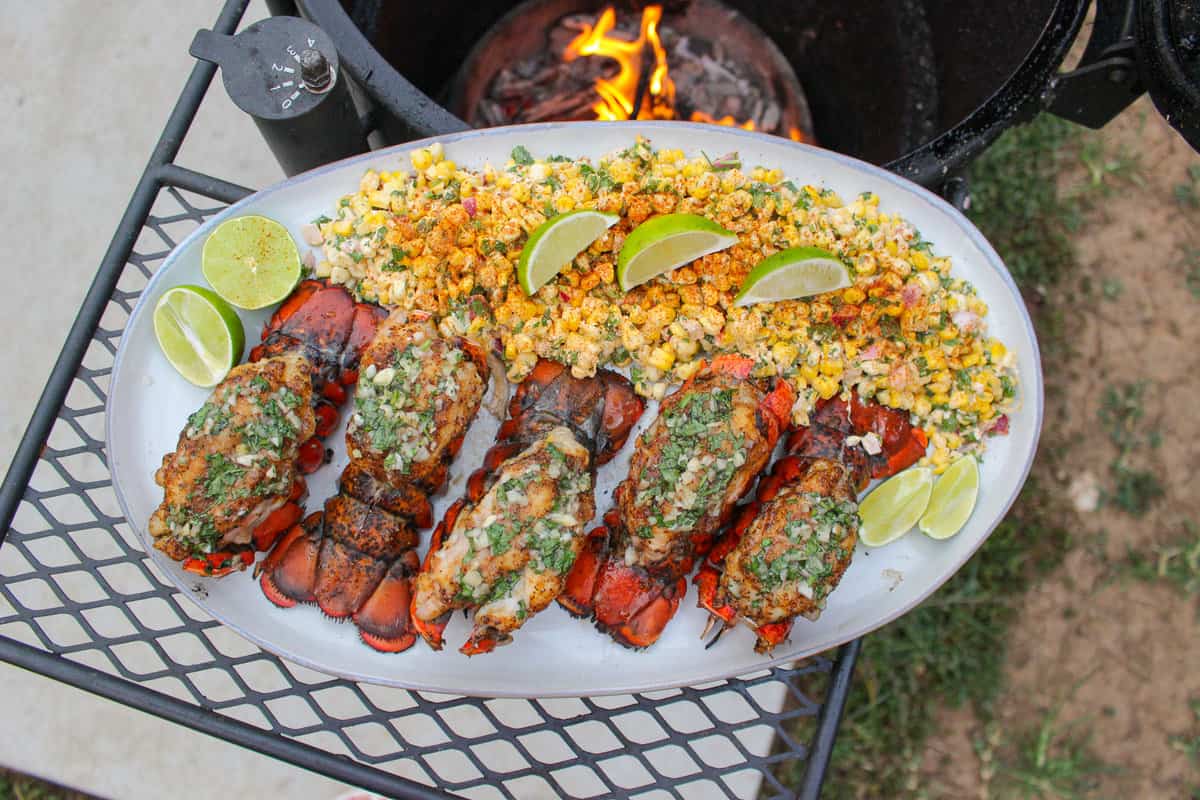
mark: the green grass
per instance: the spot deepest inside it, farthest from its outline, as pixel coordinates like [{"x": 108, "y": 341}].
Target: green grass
[
  {"x": 1017, "y": 203},
  {"x": 1189, "y": 744},
  {"x": 1135, "y": 490},
  {"x": 1176, "y": 563},
  {"x": 950, "y": 651},
  {"x": 1052, "y": 761},
  {"x": 21, "y": 787},
  {"x": 1191, "y": 270},
  {"x": 1187, "y": 194}
]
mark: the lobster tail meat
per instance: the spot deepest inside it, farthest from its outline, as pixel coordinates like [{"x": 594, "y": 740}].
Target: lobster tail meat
[
  {"x": 325, "y": 325},
  {"x": 232, "y": 481},
  {"x": 506, "y": 548},
  {"x": 417, "y": 394},
  {"x": 787, "y": 550},
  {"x": 691, "y": 466}
]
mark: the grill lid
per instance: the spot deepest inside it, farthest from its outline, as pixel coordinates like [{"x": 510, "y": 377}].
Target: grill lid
[{"x": 1168, "y": 57}]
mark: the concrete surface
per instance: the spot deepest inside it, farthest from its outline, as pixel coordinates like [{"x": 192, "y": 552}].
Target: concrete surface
[{"x": 89, "y": 89}]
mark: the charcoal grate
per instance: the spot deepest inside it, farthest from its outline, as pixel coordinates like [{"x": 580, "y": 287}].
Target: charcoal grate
[{"x": 75, "y": 582}]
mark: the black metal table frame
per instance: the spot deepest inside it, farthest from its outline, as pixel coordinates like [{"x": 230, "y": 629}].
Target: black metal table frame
[{"x": 161, "y": 172}]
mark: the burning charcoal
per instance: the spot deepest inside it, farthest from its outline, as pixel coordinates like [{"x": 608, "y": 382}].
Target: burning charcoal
[
  {"x": 577, "y": 22},
  {"x": 709, "y": 84}
]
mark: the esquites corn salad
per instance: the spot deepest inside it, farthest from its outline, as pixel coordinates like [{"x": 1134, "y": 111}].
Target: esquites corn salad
[{"x": 907, "y": 332}]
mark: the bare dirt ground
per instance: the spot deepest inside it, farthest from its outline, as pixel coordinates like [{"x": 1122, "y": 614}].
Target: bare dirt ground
[{"x": 1114, "y": 657}]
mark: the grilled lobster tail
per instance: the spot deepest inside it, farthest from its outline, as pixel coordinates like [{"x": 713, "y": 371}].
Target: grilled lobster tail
[
  {"x": 416, "y": 397},
  {"x": 505, "y": 549},
  {"x": 249, "y": 428},
  {"x": 787, "y": 549},
  {"x": 711, "y": 439},
  {"x": 329, "y": 329}
]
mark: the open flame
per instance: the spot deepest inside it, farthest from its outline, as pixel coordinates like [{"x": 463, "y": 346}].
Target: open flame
[{"x": 633, "y": 93}]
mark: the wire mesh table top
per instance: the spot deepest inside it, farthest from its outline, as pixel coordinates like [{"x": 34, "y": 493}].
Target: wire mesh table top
[{"x": 82, "y": 602}]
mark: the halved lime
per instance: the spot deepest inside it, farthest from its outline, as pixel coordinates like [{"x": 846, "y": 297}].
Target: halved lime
[
  {"x": 665, "y": 243},
  {"x": 791, "y": 274},
  {"x": 251, "y": 261},
  {"x": 952, "y": 500},
  {"x": 556, "y": 242},
  {"x": 199, "y": 333},
  {"x": 894, "y": 507}
]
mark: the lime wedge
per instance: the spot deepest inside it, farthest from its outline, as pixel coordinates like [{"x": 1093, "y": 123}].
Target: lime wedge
[
  {"x": 664, "y": 243},
  {"x": 952, "y": 500},
  {"x": 199, "y": 333},
  {"x": 791, "y": 274},
  {"x": 556, "y": 242},
  {"x": 894, "y": 507},
  {"x": 252, "y": 262}
]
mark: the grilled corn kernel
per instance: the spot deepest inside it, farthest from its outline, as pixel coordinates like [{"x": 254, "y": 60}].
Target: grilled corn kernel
[
  {"x": 343, "y": 227},
  {"x": 621, "y": 170},
  {"x": 570, "y": 318},
  {"x": 421, "y": 159},
  {"x": 711, "y": 320},
  {"x": 949, "y": 332},
  {"x": 436, "y": 151},
  {"x": 970, "y": 360},
  {"x": 997, "y": 350},
  {"x": 685, "y": 348},
  {"x": 444, "y": 170},
  {"x": 631, "y": 337},
  {"x": 685, "y": 371},
  {"x": 977, "y": 306},
  {"x": 826, "y": 387},
  {"x": 832, "y": 367},
  {"x": 701, "y": 186},
  {"x": 921, "y": 407},
  {"x": 659, "y": 317},
  {"x": 808, "y": 372},
  {"x": 662, "y": 358},
  {"x": 785, "y": 354},
  {"x": 854, "y": 295}
]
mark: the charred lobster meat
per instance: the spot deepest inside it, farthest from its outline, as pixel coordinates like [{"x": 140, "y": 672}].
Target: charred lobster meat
[
  {"x": 692, "y": 465},
  {"x": 787, "y": 549},
  {"x": 506, "y": 548},
  {"x": 417, "y": 394}
]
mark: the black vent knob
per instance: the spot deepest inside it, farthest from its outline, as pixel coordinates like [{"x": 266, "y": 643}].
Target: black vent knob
[{"x": 283, "y": 72}]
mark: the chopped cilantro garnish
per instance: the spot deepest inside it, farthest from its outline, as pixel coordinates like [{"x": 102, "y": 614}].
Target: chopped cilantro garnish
[{"x": 220, "y": 476}]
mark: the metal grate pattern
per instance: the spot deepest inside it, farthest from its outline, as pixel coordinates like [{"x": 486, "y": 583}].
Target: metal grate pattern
[{"x": 75, "y": 582}]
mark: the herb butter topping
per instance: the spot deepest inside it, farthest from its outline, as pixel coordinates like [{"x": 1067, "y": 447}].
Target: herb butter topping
[
  {"x": 549, "y": 538},
  {"x": 396, "y": 405},
  {"x": 697, "y": 462}
]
